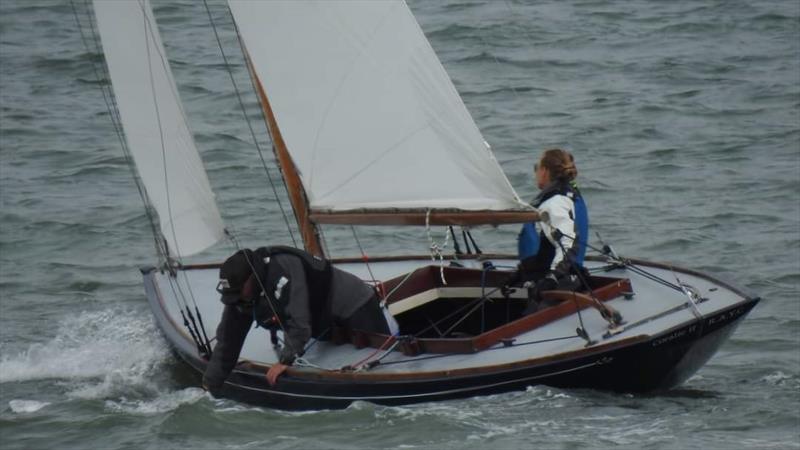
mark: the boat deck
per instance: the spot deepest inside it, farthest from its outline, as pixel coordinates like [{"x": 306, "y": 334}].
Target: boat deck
[{"x": 653, "y": 310}]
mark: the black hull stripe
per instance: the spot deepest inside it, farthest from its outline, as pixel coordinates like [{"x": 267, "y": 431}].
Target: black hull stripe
[{"x": 423, "y": 395}]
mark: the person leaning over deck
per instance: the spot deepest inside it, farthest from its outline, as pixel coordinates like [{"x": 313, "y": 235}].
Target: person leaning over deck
[
  {"x": 552, "y": 250},
  {"x": 303, "y": 295}
]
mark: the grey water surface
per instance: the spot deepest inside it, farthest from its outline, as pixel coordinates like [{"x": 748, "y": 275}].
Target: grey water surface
[{"x": 684, "y": 117}]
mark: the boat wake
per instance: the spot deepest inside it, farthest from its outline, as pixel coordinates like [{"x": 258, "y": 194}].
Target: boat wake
[
  {"x": 165, "y": 402},
  {"x": 122, "y": 348}
]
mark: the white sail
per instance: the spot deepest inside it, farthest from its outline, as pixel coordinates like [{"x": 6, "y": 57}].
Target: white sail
[
  {"x": 155, "y": 126},
  {"x": 368, "y": 113}
]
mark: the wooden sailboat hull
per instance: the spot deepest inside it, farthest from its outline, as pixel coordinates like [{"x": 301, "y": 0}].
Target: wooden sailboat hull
[{"x": 636, "y": 361}]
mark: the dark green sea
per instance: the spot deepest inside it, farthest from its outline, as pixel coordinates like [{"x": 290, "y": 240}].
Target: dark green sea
[{"x": 684, "y": 117}]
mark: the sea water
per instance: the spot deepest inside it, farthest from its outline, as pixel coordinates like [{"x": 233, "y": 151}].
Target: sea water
[{"x": 684, "y": 118}]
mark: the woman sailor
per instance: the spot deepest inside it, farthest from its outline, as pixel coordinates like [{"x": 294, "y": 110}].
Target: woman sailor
[{"x": 552, "y": 250}]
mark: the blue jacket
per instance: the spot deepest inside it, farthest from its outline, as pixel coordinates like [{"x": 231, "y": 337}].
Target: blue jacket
[{"x": 539, "y": 251}]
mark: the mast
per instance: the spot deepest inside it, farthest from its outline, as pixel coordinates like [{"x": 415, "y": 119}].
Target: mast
[{"x": 297, "y": 195}]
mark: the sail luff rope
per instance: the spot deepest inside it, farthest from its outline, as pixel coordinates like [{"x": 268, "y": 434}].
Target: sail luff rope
[
  {"x": 247, "y": 118},
  {"x": 149, "y": 34},
  {"x": 173, "y": 89},
  {"x": 160, "y": 244},
  {"x": 109, "y": 99}
]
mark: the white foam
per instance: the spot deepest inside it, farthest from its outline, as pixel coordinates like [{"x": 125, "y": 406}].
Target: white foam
[
  {"x": 165, "y": 402},
  {"x": 116, "y": 345},
  {"x": 777, "y": 379},
  {"x": 26, "y": 406}
]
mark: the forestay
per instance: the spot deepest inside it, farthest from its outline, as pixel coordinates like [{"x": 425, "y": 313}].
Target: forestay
[
  {"x": 368, "y": 113},
  {"x": 155, "y": 126}
]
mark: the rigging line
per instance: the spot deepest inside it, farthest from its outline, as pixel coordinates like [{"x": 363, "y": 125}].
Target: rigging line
[
  {"x": 202, "y": 347},
  {"x": 628, "y": 264},
  {"x": 262, "y": 287},
  {"x": 390, "y": 340},
  {"x": 582, "y": 333},
  {"x": 116, "y": 119},
  {"x": 638, "y": 270},
  {"x": 196, "y": 309},
  {"x": 116, "y": 122},
  {"x": 151, "y": 28},
  {"x": 408, "y": 275},
  {"x": 161, "y": 248},
  {"x": 366, "y": 260},
  {"x": 433, "y": 324},
  {"x": 247, "y": 118},
  {"x": 180, "y": 299},
  {"x": 386, "y": 353},
  {"x": 108, "y": 97},
  {"x": 482, "y": 302},
  {"x": 325, "y": 248},
  {"x": 688, "y": 294},
  {"x": 173, "y": 88},
  {"x": 456, "y": 247},
  {"x": 474, "y": 244},
  {"x": 605, "y": 311},
  {"x": 147, "y": 25},
  {"x": 466, "y": 242},
  {"x": 238, "y": 247},
  {"x": 148, "y": 31},
  {"x": 472, "y": 304},
  {"x": 444, "y": 355}
]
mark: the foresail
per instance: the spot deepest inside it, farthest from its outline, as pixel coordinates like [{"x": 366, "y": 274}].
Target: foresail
[
  {"x": 155, "y": 126},
  {"x": 367, "y": 112}
]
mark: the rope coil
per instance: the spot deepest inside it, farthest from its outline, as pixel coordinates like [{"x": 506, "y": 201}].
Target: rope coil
[{"x": 435, "y": 248}]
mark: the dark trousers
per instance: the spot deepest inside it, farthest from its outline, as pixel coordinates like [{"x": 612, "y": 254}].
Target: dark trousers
[{"x": 368, "y": 318}]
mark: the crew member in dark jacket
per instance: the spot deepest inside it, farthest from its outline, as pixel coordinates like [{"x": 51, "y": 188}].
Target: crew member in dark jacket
[{"x": 287, "y": 289}]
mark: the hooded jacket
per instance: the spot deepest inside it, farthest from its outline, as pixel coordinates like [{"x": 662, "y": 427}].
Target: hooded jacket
[{"x": 286, "y": 278}]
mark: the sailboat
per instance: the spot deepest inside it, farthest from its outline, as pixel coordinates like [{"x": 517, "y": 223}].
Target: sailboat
[{"x": 369, "y": 130}]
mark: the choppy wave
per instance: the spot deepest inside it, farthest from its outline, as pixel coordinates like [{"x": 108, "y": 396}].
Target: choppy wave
[
  {"x": 683, "y": 118},
  {"x": 115, "y": 346},
  {"x": 26, "y": 406},
  {"x": 161, "y": 403}
]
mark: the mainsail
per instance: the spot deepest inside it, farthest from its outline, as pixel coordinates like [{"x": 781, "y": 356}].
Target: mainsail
[
  {"x": 367, "y": 112},
  {"x": 155, "y": 127}
]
